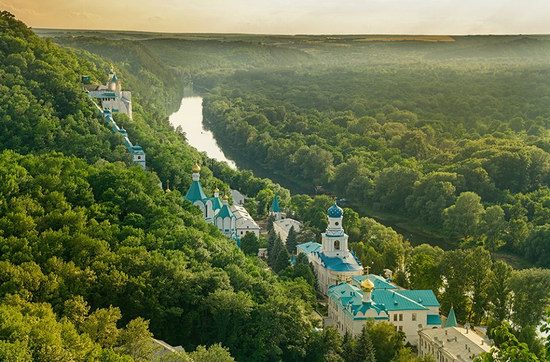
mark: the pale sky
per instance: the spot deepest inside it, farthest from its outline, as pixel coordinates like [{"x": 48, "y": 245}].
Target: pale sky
[{"x": 290, "y": 16}]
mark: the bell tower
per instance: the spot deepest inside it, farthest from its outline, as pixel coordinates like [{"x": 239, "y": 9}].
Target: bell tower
[{"x": 334, "y": 239}]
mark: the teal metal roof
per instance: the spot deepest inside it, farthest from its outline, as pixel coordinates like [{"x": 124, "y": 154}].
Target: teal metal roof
[
  {"x": 195, "y": 192},
  {"x": 309, "y": 247},
  {"x": 225, "y": 212},
  {"x": 378, "y": 281},
  {"x": 114, "y": 78},
  {"x": 394, "y": 301},
  {"x": 275, "y": 204},
  {"x": 350, "y": 299},
  {"x": 425, "y": 297},
  {"x": 451, "y": 319},
  {"x": 336, "y": 263},
  {"x": 339, "y": 263},
  {"x": 137, "y": 150},
  {"x": 216, "y": 203},
  {"x": 433, "y": 320},
  {"x": 383, "y": 300}
]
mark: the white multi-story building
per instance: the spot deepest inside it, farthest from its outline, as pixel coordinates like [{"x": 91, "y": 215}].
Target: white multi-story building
[
  {"x": 244, "y": 222},
  {"x": 371, "y": 297},
  {"x": 354, "y": 298},
  {"x": 332, "y": 261},
  {"x": 452, "y": 343},
  {"x": 111, "y": 96},
  {"x": 283, "y": 226}
]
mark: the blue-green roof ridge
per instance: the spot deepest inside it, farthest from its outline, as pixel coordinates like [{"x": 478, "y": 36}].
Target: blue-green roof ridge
[
  {"x": 451, "y": 319},
  {"x": 195, "y": 192},
  {"x": 275, "y": 207},
  {"x": 225, "y": 212}
]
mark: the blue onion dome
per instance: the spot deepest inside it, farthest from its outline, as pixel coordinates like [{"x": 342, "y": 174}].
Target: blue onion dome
[{"x": 335, "y": 211}]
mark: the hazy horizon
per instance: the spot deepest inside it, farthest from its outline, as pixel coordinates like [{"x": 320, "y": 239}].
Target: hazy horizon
[
  {"x": 287, "y": 17},
  {"x": 280, "y": 34}
]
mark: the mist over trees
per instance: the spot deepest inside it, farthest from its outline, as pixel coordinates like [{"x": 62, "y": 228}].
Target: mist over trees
[{"x": 450, "y": 138}]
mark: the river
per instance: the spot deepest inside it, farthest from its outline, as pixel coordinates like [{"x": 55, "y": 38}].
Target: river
[{"x": 189, "y": 118}]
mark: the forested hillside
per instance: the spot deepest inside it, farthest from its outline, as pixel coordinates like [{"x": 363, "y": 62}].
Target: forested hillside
[
  {"x": 445, "y": 135},
  {"x": 94, "y": 255},
  {"x": 399, "y": 126},
  {"x": 458, "y": 150}
]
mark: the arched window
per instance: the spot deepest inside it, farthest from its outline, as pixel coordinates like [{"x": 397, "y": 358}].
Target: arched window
[{"x": 337, "y": 245}]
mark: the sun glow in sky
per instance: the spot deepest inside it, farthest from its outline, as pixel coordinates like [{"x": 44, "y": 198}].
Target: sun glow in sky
[{"x": 290, "y": 16}]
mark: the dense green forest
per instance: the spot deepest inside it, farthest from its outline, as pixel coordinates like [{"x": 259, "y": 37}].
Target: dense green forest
[
  {"x": 96, "y": 258},
  {"x": 94, "y": 254},
  {"x": 448, "y": 137},
  {"x": 451, "y": 136},
  {"x": 458, "y": 150},
  {"x": 400, "y": 127}
]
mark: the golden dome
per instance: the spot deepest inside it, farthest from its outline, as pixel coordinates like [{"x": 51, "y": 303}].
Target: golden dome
[
  {"x": 196, "y": 168},
  {"x": 225, "y": 197},
  {"x": 217, "y": 190},
  {"x": 367, "y": 285}
]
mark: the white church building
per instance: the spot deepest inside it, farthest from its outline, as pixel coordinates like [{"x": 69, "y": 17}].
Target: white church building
[
  {"x": 354, "y": 298},
  {"x": 111, "y": 96},
  {"x": 233, "y": 221},
  {"x": 371, "y": 297},
  {"x": 332, "y": 260}
]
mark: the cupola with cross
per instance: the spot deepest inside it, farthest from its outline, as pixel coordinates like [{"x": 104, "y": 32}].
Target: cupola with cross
[{"x": 334, "y": 239}]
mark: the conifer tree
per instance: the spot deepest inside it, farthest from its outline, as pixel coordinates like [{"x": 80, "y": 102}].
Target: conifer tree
[
  {"x": 250, "y": 244},
  {"x": 291, "y": 241},
  {"x": 277, "y": 246},
  {"x": 270, "y": 220},
  {"x": 363, "y": 350},
  {"x": 271, "y": 238},
  {"x": 282, "y": 260},
  {"x": 347, "y": 347}
]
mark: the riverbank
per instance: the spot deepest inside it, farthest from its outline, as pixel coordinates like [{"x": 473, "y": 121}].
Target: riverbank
[
  {"x": 189, "y": 118},
  {"x": 413, "y": 231}
]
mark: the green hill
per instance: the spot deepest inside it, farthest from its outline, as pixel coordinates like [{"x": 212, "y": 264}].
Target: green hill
[{"x": 89, "y": 245}]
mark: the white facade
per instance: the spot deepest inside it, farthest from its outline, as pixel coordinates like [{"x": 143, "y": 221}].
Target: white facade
[
  {"x": 282, "y": 227},
  {"x": 233, "y": 221},
  {"x": 407, "y": 310},
  {"x": 112, "y": 97},
  {"x": 332, "y": 261},
  {"x": 244, "y": 222},
  {"x": 452, "y": 344},
  {"x": 121, "y": 103}
]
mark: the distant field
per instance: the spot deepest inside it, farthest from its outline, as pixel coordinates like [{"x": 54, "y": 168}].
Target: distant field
[{"x": 426, "y": 38}]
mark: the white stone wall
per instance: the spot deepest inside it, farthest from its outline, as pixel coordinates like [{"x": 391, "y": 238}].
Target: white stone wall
[
  {"x": 326, "y": 278},
  {"x": 241, "y": 231},
  {"x": 402, "y": 320}
]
